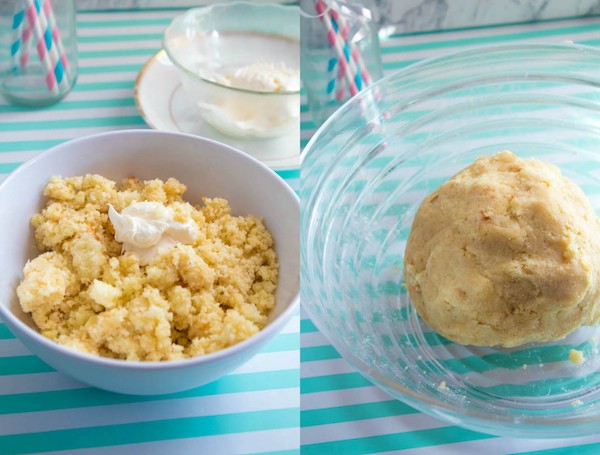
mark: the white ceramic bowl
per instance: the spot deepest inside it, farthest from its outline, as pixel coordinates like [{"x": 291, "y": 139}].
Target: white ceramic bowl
[
  {"x": 207, "y": 44},
  {"x": 208, "y": 168}
]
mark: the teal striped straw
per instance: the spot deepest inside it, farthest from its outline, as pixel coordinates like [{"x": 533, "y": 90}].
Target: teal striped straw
[
  {"x": 331, "y": 68},
  {"x": 17, "y": 27}
]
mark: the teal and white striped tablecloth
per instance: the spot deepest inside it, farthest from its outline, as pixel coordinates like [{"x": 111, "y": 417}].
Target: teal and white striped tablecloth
[
  {"x": 343, "y": 413},
  {"x": 253, "y": 410}
]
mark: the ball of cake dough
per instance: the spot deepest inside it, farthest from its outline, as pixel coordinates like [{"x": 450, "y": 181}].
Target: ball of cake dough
[{"x": 505, "y": 253}]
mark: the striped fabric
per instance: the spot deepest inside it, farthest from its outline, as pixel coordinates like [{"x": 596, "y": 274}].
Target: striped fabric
[
  {"x": 341, "y": 412},
  {"x": 253, "y": 410}
]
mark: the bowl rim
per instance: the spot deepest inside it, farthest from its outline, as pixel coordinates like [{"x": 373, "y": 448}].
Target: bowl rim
[
  {"x": 501, "y": 424},
  {"x": 264, "y": 335},
  {"x": 206, "y": 10},
  {"x": 487, "y": 48}
]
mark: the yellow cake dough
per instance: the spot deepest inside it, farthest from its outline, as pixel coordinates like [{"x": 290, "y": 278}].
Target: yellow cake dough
[
  {"x": 188, "y": 301},
  {"x": 576, "y": 357},
  {"x": 505, "y": 253}
]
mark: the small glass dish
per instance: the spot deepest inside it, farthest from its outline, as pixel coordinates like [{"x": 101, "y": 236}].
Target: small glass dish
[
  {"x": 364, "y": 175},
  {"x": 209, "y": 45}
]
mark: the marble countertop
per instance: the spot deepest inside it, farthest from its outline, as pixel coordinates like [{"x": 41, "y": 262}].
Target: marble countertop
[
  {"x": 426, "y": 15},
  {"x": 409, "y": 16},
  {"x": 133, "y": 4}
]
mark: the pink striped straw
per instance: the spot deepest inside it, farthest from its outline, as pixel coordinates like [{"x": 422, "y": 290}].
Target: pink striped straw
[
  {"x": 336, "y": 42},
  {"x": 16, "y": 37},
  {"x": 26, "y": 44},
  {"x": 342, "y": 69},
  {"x": 355, "y": 52},
  {"x": 56, "y": 77},
  {"x": 47, "y": 7},
  {"x": 340, "y": 93},
  {"x": 344, "y": 28},
  {"x": 335, "y": 80}
]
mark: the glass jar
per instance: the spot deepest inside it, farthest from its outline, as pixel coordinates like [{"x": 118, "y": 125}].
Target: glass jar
[
  {"x": 339, "y": 53},
  {"x": 38, "y": 50}
]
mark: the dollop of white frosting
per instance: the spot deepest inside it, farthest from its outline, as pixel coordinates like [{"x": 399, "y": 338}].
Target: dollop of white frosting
[
  {"x": 145, "y": 228},
  {"x": 265, "y": 77},
  {"x": 242, "y": 115}
]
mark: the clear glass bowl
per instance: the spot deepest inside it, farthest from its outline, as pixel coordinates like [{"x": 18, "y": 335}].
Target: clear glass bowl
[
  {"x": 209, "y": 44},
  {"x": 364, "y": 175}
]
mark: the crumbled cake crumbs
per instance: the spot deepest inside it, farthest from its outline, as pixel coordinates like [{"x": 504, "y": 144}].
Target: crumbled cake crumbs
[
  {"x": 189, "y": 300},
  {"x": 576, "y": 357},
  {"x": 443, "y": 387}
]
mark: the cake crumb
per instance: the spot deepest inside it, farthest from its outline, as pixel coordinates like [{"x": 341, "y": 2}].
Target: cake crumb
[
  {"x": 190, "y": 300},
  {"x": 575, "y": 403},
  {"x": 524, "y": 366},
  {"x": 443, "y": 387},
  {"x": 576, "y": 357}
]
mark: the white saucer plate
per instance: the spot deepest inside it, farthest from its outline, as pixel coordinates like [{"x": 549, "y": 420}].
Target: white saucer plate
[{"x": 163, "y": 104}]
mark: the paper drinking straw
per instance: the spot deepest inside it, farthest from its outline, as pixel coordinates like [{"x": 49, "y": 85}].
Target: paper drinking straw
[
  {"x": 335, "y": 40},
  {"x": 332, "y": 79},
  {"x": 26, "y": 43},
  {"x": 336, "y": 85},
  {"x": 56, "y": 78},
  {"x": 351, "y": 51},
  {"x": 56, "y": 49},
  {"x": 353, "y": 48},
  {"x": 340, "y": 92},
  {"x": 355, "y": 54},
  {"x": 16, "y": 42},
  {"x": 49, "y": 12}
]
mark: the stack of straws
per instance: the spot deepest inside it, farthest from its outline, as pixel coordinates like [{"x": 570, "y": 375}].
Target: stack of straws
[
  {"x": 347, "y": 70},
  {"x": 35, "y": 24}
]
